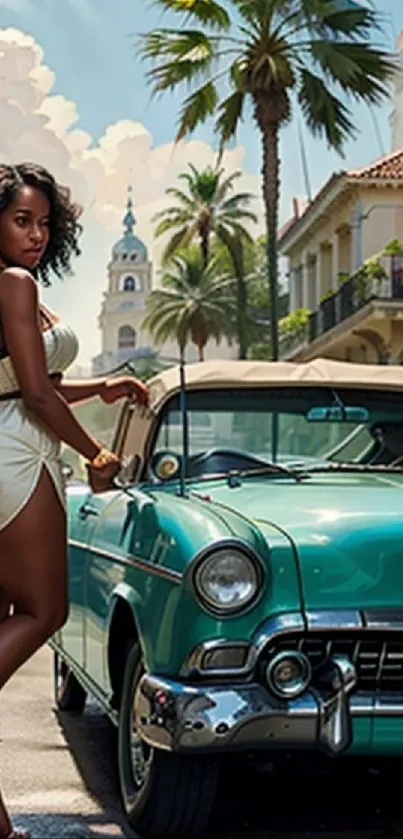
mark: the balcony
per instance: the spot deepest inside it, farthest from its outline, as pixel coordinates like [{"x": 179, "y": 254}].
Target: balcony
[{"x": 361, "y": 303}]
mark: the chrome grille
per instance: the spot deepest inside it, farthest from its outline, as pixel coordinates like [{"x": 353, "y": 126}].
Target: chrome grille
[{"x": 378, "y": 660}]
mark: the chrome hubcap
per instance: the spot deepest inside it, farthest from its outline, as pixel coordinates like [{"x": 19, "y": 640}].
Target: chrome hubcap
[{"x": 141, "y": 756}]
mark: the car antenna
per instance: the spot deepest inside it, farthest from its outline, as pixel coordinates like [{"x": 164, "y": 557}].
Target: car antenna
[{"x": 184, "y": 423}]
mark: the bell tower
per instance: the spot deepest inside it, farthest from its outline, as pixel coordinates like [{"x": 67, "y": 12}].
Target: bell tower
[{"x": 123, "y": 306}]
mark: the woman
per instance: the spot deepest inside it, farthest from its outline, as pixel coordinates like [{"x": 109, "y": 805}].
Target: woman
[{"x": 39, "y": 233}]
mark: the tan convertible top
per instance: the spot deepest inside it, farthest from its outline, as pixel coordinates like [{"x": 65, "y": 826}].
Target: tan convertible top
[{"x": 321, "y": 372}]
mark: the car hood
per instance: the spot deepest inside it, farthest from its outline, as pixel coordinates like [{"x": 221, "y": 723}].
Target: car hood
[{"x": 346, "y": 531}]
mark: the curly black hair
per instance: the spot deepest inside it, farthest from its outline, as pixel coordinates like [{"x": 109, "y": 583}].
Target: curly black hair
[{"x": 64, "y": 227}]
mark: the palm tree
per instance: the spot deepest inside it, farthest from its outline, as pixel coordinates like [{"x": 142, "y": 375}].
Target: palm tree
[
  {"x": 272, "y": 54},
  {"x": 195, "y": 302},
  {"x": 207, "y": 208}
]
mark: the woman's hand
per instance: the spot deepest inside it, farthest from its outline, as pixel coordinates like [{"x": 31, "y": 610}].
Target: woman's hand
[
  {"x": 124, "y": 387},
  {"x": 102, "y": 470}
]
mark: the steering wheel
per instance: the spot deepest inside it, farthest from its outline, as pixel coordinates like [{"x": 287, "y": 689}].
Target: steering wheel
[{"x": 221, "y": 460}]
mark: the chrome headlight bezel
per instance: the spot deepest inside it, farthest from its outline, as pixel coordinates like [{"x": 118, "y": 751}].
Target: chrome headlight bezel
[{"x": 206, "y": 556}]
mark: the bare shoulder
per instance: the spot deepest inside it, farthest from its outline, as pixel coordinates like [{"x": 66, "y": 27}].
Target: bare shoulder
[{"x": 17, "y": 283}]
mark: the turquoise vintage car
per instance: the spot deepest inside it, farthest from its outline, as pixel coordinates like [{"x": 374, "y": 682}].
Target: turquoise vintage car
[{"x": 241, "y": 585}]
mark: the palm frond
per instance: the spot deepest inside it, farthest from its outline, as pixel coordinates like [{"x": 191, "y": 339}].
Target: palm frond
[
  {"x": 180, "y": 239},
  {"x": 208, "y": 12},
  {"x": 350, "y": 19},
  {"x": 357, "y": 69},
  {"x": 325, "y": 115},
  {"x": 230, "y": 112},
  {"x": 196, "y": 109},
  {"x": 180, "y": 57},
  {"x": 193, "y": 303},
  {"x": 257, "y": 13},
  {"x": 237, "y": 202},
  {"x": 181, "y": 197},
  {"x": 172, "y": 221}
]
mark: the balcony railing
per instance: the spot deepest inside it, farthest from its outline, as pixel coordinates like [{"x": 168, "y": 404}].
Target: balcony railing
[
  {"x": 355, "y": 293},
  {"x": 352, "y": 296}
]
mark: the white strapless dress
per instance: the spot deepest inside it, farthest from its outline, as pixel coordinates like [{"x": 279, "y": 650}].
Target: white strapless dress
[{"x": 26, "y": 446}]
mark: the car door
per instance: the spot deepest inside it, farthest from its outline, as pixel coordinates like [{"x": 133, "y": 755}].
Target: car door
[
  {"x": 83, "y": 508},
  {"x": 108, "y": 563}
]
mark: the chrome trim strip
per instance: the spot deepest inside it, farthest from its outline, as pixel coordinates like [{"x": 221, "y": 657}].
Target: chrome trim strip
[
  {"x": 334, "y": 620},
  {"x": 140, "y": 564},
  {"x": 278, "y": 625},
  {"x": 193, "y": 663},
  {"x": 384, "y": 619},
  {"x": 376, "y": 705},
  {"x": 89, "y": 685}
]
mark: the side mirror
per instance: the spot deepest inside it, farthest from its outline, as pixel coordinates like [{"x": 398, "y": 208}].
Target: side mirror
[{"x": 338, "y": 413}]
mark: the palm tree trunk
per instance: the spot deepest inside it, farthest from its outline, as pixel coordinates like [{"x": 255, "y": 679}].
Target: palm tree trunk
[
  {"x": 200, "y": 352},
  {"x": 205, "y": 249},
  {"x": 241, "y": 303},
  {"x": 270, "y": 172}
]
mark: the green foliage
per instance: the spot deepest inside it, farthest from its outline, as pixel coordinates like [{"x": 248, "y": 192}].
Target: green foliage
[
  {"x": 393, "y": 248},
  {"x": 195, "y": 303},
  {"x": 276, "y": 48},
  {"x": 207, "y": 208},
  {"x": 293, "y": 328},
  {"x": 276, "y": 54}
]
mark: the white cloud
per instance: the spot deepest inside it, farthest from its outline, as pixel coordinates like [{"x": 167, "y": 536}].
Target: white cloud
[{"x": 37, "y": 125}]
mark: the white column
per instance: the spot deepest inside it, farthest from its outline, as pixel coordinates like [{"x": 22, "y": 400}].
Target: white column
[
  {"x": 357, "y": 219},
  {"x": 318, "y": 289},
  {"x": 305, "y": 280},
  {"x": 335, "y": 261},
  {"x": 293, "y": 279}
]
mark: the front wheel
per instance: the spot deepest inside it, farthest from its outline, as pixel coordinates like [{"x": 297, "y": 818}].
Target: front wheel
[{"x": 163, "y": 794}]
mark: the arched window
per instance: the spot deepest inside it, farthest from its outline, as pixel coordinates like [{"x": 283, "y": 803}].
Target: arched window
[
  {"x": 130, "y": 283},
  {"x": 126, "y": 337}
]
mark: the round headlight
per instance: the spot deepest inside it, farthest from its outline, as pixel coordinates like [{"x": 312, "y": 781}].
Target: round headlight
[{"x": 227, "y": 580}]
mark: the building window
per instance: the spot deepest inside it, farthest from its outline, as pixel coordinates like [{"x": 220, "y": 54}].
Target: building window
[
  {"x": 130, "y": 283},
  {"x": 126, "y": 337},
  {"x": 397, "y": 276}
]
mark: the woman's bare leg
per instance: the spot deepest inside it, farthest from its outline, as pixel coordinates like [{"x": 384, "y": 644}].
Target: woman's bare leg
[
  {"x": 5, "y": 605},
  {"x": 35, "y": 581}
]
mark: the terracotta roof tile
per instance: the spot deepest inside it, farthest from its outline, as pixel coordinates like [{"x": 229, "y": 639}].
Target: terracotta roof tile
[{"x": 389, "y": 167}]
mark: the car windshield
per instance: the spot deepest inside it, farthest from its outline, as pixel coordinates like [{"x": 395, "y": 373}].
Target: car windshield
[{"x": 272, "y": 425}]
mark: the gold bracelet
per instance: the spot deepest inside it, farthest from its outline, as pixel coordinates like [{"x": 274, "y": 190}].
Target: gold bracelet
[{"x": 99, "y": 459}]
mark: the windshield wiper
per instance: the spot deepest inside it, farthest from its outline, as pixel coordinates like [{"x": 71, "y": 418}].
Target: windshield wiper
[
  {"x": 267, "y": 469},
  {"x": 352, "y": 467}
]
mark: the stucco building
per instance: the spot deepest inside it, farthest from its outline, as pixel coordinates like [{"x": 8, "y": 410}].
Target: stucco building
[
  {"x": 349, "y": 290},
  {"x": 350, "y": 221}
]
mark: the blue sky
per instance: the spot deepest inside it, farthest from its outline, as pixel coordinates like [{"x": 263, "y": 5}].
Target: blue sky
[{"x": 90, "y": 45}]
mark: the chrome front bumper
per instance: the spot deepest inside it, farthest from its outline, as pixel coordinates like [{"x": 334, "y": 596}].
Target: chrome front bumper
[
  {"x": 219, "y": 716},
  {"x": 184, "y": 719}
]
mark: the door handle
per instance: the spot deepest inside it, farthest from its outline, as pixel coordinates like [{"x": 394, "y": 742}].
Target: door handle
[{"x": 86, "y": 510}]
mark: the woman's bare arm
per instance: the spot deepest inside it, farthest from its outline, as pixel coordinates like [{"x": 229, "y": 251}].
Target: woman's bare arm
[
  {"x": 23, "y": 338},
  {"x": 75, "y": 392}
]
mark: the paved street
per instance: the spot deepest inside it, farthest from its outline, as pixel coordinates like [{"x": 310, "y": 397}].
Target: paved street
[{"x": 58, "y": 776}]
